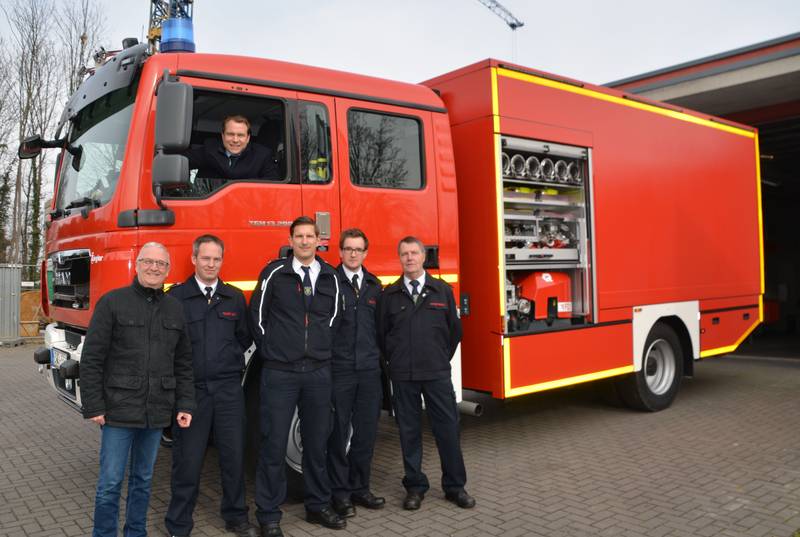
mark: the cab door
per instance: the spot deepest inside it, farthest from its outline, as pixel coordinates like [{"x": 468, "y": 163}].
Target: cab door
[
  {"x": 387, "y": 180},
  {"x": 318, "y": 171}
]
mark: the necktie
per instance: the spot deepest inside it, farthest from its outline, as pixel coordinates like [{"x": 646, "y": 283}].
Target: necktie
[
  {"x": 208, "y": 291},
  {"x": 414, "y": 290},
  {"x": 308, "y": 290},
  {"x": 355, "y": 284}
]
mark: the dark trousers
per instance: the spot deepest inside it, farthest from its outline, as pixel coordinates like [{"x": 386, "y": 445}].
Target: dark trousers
[
  {"x": 440, "y": 403},
  {"x": 281, "y": 392},
  {"x": 357, "y": 397},
  {"x": 222, "y": 411}
]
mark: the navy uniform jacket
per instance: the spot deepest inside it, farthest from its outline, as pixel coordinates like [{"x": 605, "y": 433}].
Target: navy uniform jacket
[
  {"x": 219, "y": 331},
  {"x": 418, "y": 340},
  {"x": 211, "y": 162},
  {"x": 288, "y": 337},
  {"x": 355, "y": 346}
]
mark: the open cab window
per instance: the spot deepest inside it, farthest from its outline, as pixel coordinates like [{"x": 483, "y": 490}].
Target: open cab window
[{"x": 212, "y": 165}]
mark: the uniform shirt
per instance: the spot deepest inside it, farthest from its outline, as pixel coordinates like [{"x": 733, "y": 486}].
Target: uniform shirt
[
  {"x": 349, "y": 273},
  {"x": 407, "y": 282},
  {"x": 203, "y": 286},
  {"x": 313, "y": 273}
]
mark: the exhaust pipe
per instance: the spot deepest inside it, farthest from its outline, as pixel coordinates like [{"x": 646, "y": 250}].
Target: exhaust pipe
[{"x": 470, "y": 408}]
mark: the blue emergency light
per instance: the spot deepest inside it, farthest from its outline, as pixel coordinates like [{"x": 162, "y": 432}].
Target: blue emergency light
[{"x": 177, "y": 35}]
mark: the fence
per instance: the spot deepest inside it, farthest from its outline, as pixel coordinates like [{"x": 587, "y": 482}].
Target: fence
[{"x": 19, "y": 308}]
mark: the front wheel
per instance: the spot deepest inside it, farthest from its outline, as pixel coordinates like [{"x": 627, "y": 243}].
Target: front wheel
[{"x": 656, "y": 384}]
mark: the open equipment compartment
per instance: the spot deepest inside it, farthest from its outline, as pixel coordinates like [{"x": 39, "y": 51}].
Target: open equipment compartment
[{"x": 546, "y": 235}]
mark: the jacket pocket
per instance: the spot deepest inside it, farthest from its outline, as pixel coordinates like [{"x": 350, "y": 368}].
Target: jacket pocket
[
  {"x": 168, "y": 383},
  {"x": 172, "y": 329},
  {"x": 120, "y": 389},
  {"x": 130, "y": 329}
]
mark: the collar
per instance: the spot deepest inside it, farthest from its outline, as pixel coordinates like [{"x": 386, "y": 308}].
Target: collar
[
  {"x": 146, "y": 291},
  {"x": 349, "y": 274},
  {"x": 202, "y": 286},
  {"x": 315, "y": 266},
  {"x": 421, "y": 280}
]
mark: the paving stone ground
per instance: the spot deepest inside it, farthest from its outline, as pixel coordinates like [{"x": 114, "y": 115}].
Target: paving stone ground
[{"x": 723, "y": 461}]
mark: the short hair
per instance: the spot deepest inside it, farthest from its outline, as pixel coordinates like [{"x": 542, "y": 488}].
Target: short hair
[
  {"x": 353, "y": 233},
  {"x": 411, "y": 240},
  {"x": 202, "y": 239},
  {"x": 236, "y": 118},
  {"x": 303, "y": 221},
  {"x": 152, "y": 244}
]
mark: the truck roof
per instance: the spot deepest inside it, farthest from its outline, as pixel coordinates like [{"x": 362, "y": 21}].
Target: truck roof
[
  {"x": 273, "y": 73},
  {"x": 492, "y": 63}
]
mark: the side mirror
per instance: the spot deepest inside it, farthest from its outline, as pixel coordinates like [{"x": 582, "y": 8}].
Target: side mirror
[
  {"x": 170, "y": 170},
  {"x": 173, "y": 116},
  {"x": 31, "y": 147}
]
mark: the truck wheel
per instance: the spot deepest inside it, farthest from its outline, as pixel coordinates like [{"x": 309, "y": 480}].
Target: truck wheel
[
  {"x": 656, "y": 384},
  {"x": 294, "y": 460}
]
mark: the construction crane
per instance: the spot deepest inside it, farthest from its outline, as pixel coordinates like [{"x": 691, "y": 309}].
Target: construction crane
[
  {"x": 162, "y": 11},
  {"x": 500, "y": 10}
]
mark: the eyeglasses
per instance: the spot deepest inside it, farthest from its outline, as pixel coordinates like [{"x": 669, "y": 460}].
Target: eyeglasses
[
  {"x": 351, "y": 251},
  {"x": 153, "y": 262}
]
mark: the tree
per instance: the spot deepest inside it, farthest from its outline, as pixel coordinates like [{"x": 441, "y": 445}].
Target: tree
[{"x": 81, "y": 27}]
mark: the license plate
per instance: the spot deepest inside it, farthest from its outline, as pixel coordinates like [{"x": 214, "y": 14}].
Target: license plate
[{"x": 59, "y": 357}]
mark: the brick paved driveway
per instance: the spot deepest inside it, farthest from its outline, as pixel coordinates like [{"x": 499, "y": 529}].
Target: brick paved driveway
[{"x": 723, "y": 461}]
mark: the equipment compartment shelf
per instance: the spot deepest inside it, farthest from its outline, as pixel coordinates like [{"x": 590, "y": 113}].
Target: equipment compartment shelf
[
  {"x": 543, "y": 184},
  {"x": 527, "y": 255}
]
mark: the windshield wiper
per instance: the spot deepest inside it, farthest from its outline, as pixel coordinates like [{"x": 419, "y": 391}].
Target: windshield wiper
[{"x": 83, "y": 202}]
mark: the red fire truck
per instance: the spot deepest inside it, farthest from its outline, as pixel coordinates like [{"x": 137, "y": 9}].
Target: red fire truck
[{"x": 588, "y": 233}]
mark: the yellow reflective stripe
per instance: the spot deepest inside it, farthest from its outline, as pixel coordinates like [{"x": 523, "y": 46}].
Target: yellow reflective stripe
[
  {"x": 624, "y": 102},
  {"x": 506, "y": 343},
  {"x": 522, "y": 390},
  {"x": 758, "y": 210},
  {"x": 391, "y": 278},
  {"x": 246, "y": 285},
  {"x": 731, "y": 348},
  {"x": 495, "y": 102},
  {"x": 501, "y": 227}
]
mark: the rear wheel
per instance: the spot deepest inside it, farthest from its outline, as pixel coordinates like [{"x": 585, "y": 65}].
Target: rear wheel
[{"x": 656, "y": 384}]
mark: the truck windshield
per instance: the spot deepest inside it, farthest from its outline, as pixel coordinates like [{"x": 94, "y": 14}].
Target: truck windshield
[{"x": 98, "y": 136}]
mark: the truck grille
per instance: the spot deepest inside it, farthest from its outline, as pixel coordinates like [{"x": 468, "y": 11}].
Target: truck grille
[{"x": 70, "y": 277}]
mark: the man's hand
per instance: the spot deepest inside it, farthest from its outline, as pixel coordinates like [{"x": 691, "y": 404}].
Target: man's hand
[
  {"x": 99, "y": 420},
  {"x": 184, "y": 419}
]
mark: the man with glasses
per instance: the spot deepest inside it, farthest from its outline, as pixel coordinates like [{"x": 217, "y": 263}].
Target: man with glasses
[
  {"x": 357, "y": 390},
  {"x": 232, "y": 156},
  {"x": 136, "y": 377},
  {"x": 216, "y": 314}
]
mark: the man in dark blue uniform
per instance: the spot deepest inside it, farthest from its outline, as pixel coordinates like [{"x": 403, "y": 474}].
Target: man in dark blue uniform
[
  {"x": 232, "y": 156},
  {"x": 418, "y": 332},
  {"x": 216, "y": 316},
  {"x": 357, "y": 390},
  {"x": 294, "y": 311}
]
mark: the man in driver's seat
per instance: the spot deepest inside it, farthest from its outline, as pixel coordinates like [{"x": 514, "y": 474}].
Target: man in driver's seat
[{"x": 232, "y": 156}]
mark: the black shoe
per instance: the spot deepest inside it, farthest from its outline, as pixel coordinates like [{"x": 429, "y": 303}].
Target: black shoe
[
  {"x": 461, "y": 499},
  {"x": 326, "y": 517},
  {"x": 413, "y": 500},
  {"x": 368, "y": 500},
  {"x": 271, "y": 529},
  {"x": 242, "y": 529},
  {"x": 343, "y": 507}
]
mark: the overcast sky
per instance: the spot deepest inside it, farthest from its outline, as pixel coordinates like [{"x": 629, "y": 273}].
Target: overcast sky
[{"x": 413, "y": 40}]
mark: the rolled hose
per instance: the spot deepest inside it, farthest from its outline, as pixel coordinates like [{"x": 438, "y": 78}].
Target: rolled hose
[
  {"x": 532, "y": 167},
  {"x": 518, "y": 165}
]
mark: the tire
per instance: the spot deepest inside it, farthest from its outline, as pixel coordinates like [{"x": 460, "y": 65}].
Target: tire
[{"x": 656, "y": 384}]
